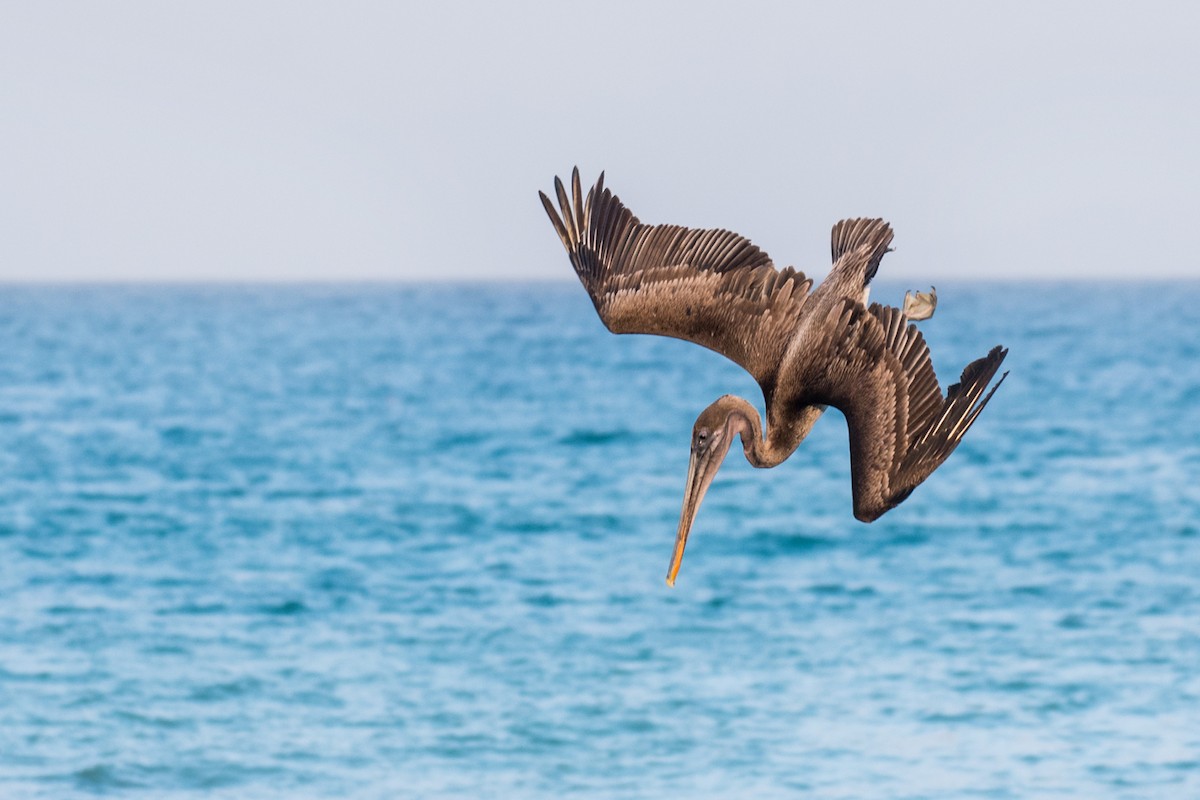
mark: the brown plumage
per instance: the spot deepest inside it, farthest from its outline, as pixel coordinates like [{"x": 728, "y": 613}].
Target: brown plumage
[{"x": 807, "y": 349}]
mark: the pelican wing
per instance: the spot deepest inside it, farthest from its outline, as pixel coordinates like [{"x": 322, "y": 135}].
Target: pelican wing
[
  {"x": 711, "y": 287},
  {"x": 874, "y": 367}
]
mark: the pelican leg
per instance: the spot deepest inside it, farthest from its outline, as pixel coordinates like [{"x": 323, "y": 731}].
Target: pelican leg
[{"x": 920, "y": 305}]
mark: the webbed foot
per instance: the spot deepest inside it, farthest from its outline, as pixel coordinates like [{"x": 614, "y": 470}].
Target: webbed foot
[{"x": 920, "y": 305}]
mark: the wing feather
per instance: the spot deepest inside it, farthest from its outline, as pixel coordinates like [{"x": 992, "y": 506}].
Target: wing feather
[
  {"x": 708, "y": 286},
  {"x": 875, "y": 367}
]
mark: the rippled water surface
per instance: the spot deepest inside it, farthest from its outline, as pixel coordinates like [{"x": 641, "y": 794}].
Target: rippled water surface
[{"x": 410, "y": 542}]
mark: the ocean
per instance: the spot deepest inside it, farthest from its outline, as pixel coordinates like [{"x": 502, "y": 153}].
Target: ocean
[{"x": 381, "y": 541}]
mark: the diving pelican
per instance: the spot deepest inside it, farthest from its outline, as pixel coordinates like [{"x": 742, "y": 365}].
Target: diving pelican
[{"x": 807, "y": 348}]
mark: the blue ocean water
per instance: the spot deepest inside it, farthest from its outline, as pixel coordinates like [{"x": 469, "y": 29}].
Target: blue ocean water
[{"x": 382, "y": 541}]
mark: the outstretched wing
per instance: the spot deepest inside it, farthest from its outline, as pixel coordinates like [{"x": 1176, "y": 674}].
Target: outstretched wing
[
  {"x": 711, "y": 287},
  {"x": 874, "y": 366}
]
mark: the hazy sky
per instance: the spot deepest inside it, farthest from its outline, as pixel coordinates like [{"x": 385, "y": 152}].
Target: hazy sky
[{"x": 292, "y": 140}]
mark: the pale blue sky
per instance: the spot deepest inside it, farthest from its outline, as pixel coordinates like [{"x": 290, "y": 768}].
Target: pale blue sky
[{"x": 292, "y": 140}]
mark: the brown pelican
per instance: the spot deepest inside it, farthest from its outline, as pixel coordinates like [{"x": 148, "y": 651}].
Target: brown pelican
[{"x": 806, "y": 349}]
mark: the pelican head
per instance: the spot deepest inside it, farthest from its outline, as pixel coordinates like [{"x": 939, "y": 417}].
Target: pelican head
[{"x": 713, "y": 433}]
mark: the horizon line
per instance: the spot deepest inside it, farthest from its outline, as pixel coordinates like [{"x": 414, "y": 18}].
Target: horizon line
[{"x": 500, "y": 281}]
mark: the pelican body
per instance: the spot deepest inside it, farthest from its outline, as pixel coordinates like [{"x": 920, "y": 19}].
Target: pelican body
[{"x": 807, "y": 348}]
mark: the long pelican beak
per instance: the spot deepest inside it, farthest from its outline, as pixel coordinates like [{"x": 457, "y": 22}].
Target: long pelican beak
[{"x": 701, "y": 471}]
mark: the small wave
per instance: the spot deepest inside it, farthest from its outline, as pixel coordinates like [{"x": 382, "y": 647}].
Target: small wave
[
  {"x": 200, "y": 609},
  {"x": 97, "y": 496},
  {"x": 225, "y": 691},
  {"x": 965, "y": 718},
  {"x": 153, "y": 721},
  {"x": 102, "y": 777},
  {"x": 529, "y": 526},
  {"x": 286, "y": 608},
  {"x": 312, "y": 494},
  {"x": 58, "y": 610},
  {"x": 167, "y": 650},
  {"x": 185, "y": 435},
  {"x": 338, "y": 579},
  {"x": 583, "y": 438},
  {"x": 841, "y": 590},
  {"x": 545, "y": 600},
  {"x": 717, "y": 602},
  {"x": 1072, "y": 622},
  {"x": 775, "y": 543},
  {"x": 461, "y": 439}
]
